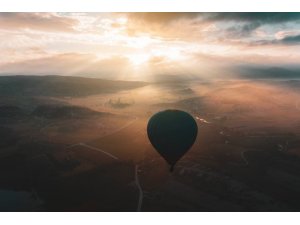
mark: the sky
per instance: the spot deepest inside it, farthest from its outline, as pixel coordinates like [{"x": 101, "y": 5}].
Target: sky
[{"x": 148, "y": 46}]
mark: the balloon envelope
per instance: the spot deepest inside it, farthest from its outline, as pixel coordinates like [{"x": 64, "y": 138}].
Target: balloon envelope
[{"x": 172, "y": 133}]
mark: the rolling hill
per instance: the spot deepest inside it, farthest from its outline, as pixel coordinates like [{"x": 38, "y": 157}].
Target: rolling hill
[{"x": 61, "y": 86}]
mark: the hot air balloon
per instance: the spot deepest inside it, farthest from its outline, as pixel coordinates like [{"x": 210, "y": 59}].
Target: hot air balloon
[{"x": 172, "y": 133}]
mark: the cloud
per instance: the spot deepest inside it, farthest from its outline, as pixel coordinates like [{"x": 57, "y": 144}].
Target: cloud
[
  {"x": 246, "y": 23},
  {"x": 241, "y": 31},
  {"x": 286, "y": 40},
  {"x": 162, "y": 17},
  {"x": 194, "y": 26},
  {"x": 291, "y": 39},
  {"x": 156, "y": 43},
  {"x": 262, "y": 17},
  {"x": 165, "y": 25},
  {"x": 37, "y": 21}
]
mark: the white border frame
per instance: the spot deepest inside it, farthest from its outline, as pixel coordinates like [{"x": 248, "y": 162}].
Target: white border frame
[{"x": 149, "y": 5}]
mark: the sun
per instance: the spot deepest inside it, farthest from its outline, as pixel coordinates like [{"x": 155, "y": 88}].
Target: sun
[{"x": 138, "y": 60}]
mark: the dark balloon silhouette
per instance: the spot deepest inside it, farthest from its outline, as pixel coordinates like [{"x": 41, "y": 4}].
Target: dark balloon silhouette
[{"x": 172, "y": 133}]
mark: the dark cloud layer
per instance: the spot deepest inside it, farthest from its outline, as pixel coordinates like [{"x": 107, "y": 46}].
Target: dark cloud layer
[
  {"x": 262, "y": 17},
  {"x": 240, "y": 31},
  {"x": 291, "y": 39},
  {"x": 251, "y": 21},
  {"x": 288, "y": 40}
]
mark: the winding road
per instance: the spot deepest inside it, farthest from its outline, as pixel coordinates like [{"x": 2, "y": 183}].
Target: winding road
[
  {"x": 96, "y": 149},
  {"x": 136, "y": 178},
  {"x": 244, "y": 158},
  {"x": 121, "y": 128},
  {"x": 141, "y": 194}
]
